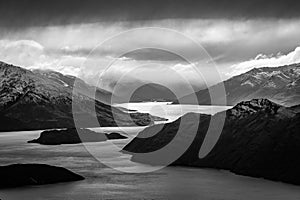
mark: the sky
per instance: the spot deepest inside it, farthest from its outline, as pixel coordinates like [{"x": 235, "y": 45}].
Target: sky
[{"x": 84, "y": 38}]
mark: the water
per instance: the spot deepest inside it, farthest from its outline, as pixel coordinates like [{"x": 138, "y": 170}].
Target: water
[
  {"x": 171, "y": 112},
  {"x": 105, "y": 183}
]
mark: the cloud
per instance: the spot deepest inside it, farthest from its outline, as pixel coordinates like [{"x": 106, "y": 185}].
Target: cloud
[
  {"x": 122, "y": 77},
  {"x": 21, "y": 52},
  {"x": 228, "y": 41},
  {"x": 16, "y": 14},
  {"x": 168, "y": 73},
  {"x": 32, "y": 55},
  {"x": 262, "y": 60}
]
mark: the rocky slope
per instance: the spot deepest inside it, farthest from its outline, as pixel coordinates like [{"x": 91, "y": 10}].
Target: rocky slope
[
  {"x": 34, "y": 100},
  {"x": 34, "y": 174},
  {"x": 73, "y": 136},
  {"x": 68, "y": 82},
  {"x": 260, "y": 138},
  {"x": 278, "y": 84}
]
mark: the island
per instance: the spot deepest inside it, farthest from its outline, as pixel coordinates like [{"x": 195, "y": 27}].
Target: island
[
  {"x": 74, "y": 136},
  {"x": 17, "y": 175}
]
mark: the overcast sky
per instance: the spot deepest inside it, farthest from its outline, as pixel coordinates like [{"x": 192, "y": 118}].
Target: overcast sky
[{"x": 238, "y": 35}]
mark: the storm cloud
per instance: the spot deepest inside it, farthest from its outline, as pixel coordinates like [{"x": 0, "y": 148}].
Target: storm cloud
[
  {"x": 26, "y": 13},
  {"x": 61, "y": 35}
]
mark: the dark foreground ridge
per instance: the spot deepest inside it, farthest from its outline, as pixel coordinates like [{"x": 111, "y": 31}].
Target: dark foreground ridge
[
  {"x": 74, "y": 136},
  {"x": 259, "y": 139},
  {"x": 34, "y": 174}
]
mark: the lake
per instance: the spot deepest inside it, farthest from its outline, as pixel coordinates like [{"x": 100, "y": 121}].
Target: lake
[
  {"x": 169, "y": 111},
  {"x": 103, "y": 182}
]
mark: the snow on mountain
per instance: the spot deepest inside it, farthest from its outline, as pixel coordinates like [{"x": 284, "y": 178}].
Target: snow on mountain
[
  {"x": 31, "y": 100},
  {"x": 279, "y": 84}
]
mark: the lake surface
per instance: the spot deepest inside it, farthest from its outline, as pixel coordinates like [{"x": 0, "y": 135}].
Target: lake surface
[
  {"x": 103, "y": 182},
  {"x": 169, "y": 111}
]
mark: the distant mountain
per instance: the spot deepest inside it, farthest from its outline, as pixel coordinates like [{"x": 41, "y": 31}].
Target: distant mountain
[
  {"x": 152, "y": 92},
  {"x": 259, "y": 138},
  {"x": 279, "y": 84},
  {"x": 41, "y": 100},
  {"x": 136, "y": 90}
]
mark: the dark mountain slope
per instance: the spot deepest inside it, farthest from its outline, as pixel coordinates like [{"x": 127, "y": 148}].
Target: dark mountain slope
[{"x": 260, "y": 139}]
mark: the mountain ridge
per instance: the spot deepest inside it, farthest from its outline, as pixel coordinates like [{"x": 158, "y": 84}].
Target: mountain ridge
[
  {"x": 259, "y": 139},
  {"x": 31, "y": 101},
  {"x": 279, "y": 84}
]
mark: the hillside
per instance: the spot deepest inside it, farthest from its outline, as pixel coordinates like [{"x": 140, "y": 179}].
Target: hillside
[
  {"x": 31, "y": 100},
  {"x": 260, "y": 138},
  {"x": 278, "y": 84}
]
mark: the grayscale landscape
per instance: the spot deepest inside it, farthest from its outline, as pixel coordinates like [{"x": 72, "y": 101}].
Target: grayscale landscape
[{"x": 149, "y": 100}]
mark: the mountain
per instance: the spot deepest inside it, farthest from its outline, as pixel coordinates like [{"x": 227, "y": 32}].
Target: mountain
[
  {"x": 68, "y": 81},
  {"x": 31, "y": 100},
  {"x": 136, "y": 90},
  {"x": 152, "y": 92},
  {"x": 279, "y": 84},
  {"x": 260, "y": 139}
]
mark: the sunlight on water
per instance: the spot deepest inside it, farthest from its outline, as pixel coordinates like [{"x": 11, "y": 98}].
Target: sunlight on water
[{"x": 169, "y": 111}]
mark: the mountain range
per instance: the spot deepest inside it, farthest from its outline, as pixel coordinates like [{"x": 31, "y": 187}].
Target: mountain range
[
  {"x": 278, "y": 84},
  {"x": 35, "y": 99},
  {"x": 260, "y": 139}
]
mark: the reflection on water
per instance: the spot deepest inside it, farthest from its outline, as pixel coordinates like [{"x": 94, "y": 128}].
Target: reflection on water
[{"x": 105, "y": 183}]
